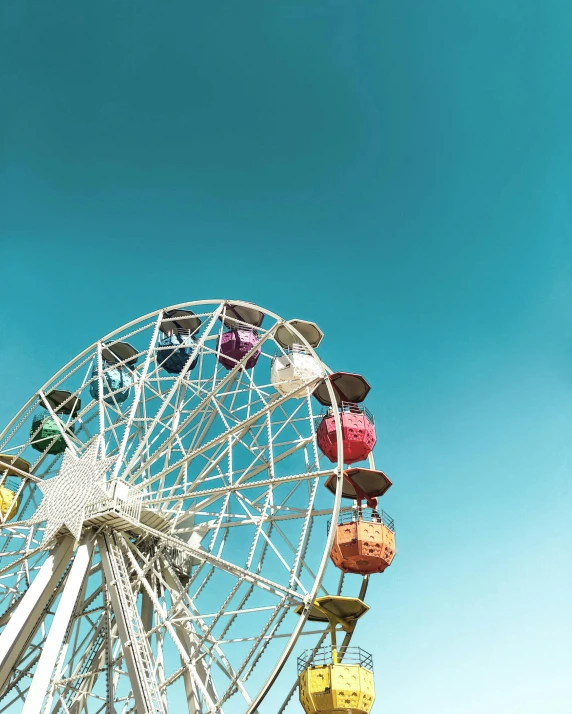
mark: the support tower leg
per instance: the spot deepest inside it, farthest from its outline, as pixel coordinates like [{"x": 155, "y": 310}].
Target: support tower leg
[
  {"x": 136, "y": 650},
  {"x": 27, "y": 617}
]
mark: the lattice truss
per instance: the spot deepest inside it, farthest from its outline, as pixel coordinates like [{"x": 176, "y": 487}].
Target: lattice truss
[{"x": 183, "y": 524}]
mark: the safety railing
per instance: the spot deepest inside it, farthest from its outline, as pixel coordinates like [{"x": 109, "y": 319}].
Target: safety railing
[
  {"x": 367, "y": 515},
  {"x": 122, "y": 497},
  {"x": 346, "y": 408},
  {"x": 292, "y": 350},
  {"x": 323, "y": 657}
]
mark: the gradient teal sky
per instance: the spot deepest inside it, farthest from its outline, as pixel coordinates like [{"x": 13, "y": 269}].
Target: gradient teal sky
[{"x": 399, "y": 172}]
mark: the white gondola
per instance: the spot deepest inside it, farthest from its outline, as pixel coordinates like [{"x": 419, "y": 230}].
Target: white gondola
[{"x": 294, "y": 368}]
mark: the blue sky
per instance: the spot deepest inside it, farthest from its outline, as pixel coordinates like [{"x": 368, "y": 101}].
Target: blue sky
[{"x": 398, "y": 172}]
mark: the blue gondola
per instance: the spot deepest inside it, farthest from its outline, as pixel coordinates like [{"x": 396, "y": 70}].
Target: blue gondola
[
  {"x": 177, "y": 344},
  {"x": 118, "y": 362}
]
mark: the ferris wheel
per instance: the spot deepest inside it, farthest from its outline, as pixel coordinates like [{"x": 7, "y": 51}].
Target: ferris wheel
[{"x": 165, "y": 502}]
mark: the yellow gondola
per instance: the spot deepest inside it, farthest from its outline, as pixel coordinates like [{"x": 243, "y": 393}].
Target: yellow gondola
[
  {"x": 10, "y": 466},
  {"x": 332, "y": 681}
]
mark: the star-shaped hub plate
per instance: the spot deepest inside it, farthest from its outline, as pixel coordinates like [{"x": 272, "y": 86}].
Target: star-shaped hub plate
[{"x": 79, "y": 483}]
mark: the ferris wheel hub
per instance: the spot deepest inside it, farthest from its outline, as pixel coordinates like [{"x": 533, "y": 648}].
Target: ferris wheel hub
[{"x": 79, "y": 484}]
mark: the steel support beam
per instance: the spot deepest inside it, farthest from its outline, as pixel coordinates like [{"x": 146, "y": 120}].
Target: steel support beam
[
  {"x": 193, "y": 695},
  {"x": 38, "y": 691},
  {"x": 163, "y": 616},
  {"x": 134, "y": 644},
  {"x": 27, "y": 617}
]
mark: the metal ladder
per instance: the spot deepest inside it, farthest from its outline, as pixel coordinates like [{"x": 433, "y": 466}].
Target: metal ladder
[
  {"x": 140, "y": 649},
  {"x": 86, "y": 666}
]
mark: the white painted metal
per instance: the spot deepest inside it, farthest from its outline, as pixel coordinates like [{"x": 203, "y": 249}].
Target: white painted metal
[
  {"x": 40, "y": 684},
  {"x": 79, "y": 484},
  {"x": 136, "y": 651},
  {"x": 27, "y": 616},
  {"x": 209, "y": 500},
  {"x": 183, "y": 653}
]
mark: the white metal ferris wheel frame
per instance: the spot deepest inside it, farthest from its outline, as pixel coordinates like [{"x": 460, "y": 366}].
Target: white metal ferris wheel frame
[{"x": 116, "y": 553}]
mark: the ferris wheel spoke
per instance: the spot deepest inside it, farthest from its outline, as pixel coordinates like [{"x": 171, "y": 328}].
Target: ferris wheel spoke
[
  {"x": 249, "y": 472},
  {"x": 172, "y": 426},
  {"x": 241, "y": 610},
  {"x": 223, "y": 565},
  {"x": 22, "y": 555},
  {"x": 139, "y": 386},
  {"x": 83, "y": 427},
  {"x": 110, "y": 431},
  {"x": 302, "y": 562},
  {"x": 213, "y": 648},
  {"x": 173, "y": 389},
  {"x": 237, "y": 680},
  {"x": 243, "y": 424},
  {"x": 212, "y": 495},
  {"x": 210, "y": 548},
  {"x": 194, "y": 692},
  {"x": 185, "y": 610},
  {"x": 181, "y": 479},
  {"x": 207, "y": 417},
  {"x": 301, "y": 549},
  {"x": 87, "y": 631},
  {"x": 260, "y": 530},
  {"x": 161, "y": 612},
  {"x": 250, "y": 657},
  {"x": 269, "y": 634},
  {"x": 233, "y": 388}
]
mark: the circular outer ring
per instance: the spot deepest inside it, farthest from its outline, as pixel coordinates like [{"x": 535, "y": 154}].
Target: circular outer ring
[{"x": 252, "y": 709}]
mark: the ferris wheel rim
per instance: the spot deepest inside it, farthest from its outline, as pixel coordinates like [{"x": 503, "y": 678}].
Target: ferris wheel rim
[{"x": 337, "y": 470}]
